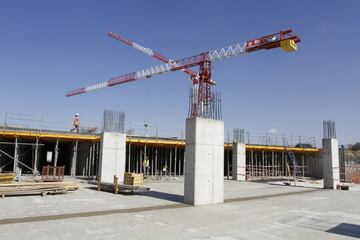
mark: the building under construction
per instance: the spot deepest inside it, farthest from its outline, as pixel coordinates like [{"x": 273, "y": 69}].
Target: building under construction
[{"x": 267, "y": 157}]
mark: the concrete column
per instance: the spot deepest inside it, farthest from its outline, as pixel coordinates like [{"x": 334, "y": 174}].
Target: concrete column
[
  {"x": 238, "y": 161},
  {"x": 112, "y": 156},
  {"x": 330, "y": 156},
  {"x": 204, "y": 165}
]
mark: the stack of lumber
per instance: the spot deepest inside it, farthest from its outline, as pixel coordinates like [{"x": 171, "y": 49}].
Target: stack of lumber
[
  {"x": 134, "y": 179},
  {"x": 31, "y": 188},
  {"x": 7, "y": 177}
]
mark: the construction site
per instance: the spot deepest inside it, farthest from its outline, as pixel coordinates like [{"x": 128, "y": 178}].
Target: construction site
[{"x": 120, "y": 179}]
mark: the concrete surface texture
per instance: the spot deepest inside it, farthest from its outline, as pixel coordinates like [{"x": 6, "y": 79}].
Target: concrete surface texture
[
  {"x": 250, "y": 211},
  {"x": 330, "y": 155},
  {"x": 112, "y": 156},
  {"x": 238, "y": 161},
  {"x": 204, "y": 161}
]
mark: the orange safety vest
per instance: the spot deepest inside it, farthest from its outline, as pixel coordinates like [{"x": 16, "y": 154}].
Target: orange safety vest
[{"x": 76, "y": 121}]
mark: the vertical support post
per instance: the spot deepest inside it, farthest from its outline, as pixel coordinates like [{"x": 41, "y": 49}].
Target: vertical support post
[
  {"x": 170, "y": 162},
  {"x": 303, "y": 165},
  {"x": 156, "y": 162},
  {"x": 263, "y": 164},
  {"x": 74, "y": 159},
  {"x": 93, "y": 159},
  {"x": 228, "y": 163},
  {"x": 137, "y": 160},
  {"x": 35, "y": 171},
  {"x": 129, "y": 157},
  {"x": 56, "y": 152},
  {"x": 144, "y": 158},
  {"x": 252, "y": 163},
  {"x": 175, "y": 161},
  {"x": 283, "y": 164},
  {"x": 141, "y": 161},
  {"x": 16, "y": 155},
  {"x": 272, "y": 164},
  {"x": 161, "y": 166},
  {"x": 179, "y": 162},
  {"x": 228, "y": 157},
  {"x": 152, "y": 161},
  {"x": 256, "y": 165}
]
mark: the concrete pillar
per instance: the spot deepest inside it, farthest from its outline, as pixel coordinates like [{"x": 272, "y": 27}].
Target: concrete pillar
[
  {"x": 112, "y": 156},
  {"x": 239, "y": 161},
  {"x": 204, "y": 165},
  {"x": 330, "y": 156}
]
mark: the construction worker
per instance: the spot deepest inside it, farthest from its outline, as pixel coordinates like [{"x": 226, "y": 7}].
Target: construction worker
[
  {"x": 76, "y": 123},
  {"x": 146, "y": 166},
  {"x": 165, "y": 170}
]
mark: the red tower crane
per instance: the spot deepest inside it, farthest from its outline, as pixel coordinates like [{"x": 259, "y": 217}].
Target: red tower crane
[{"x": 203, "y": 83}]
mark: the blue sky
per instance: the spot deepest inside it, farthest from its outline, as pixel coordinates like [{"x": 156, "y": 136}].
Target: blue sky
[{"x": 50, "y": 47}]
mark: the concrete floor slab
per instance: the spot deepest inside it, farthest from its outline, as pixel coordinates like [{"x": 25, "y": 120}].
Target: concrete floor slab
[{"x": 252, "y": 211}]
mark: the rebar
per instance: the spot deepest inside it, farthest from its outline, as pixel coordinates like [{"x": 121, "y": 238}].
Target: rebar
[
  {"x": 205, "y": 109},
  {"x": 239, "y": 135},
  {"x": 114, "y": 121},
  {"x": 329, "y": 129}
]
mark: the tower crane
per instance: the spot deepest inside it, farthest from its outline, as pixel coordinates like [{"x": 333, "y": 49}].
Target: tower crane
[{"x": 203, "y": 83}]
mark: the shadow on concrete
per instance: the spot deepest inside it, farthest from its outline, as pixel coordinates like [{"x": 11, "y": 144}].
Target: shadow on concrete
[
  {"x": 154, "y": 194},
  {"x": 163, "y": 196},
  {"x": 346, "y": 229}
]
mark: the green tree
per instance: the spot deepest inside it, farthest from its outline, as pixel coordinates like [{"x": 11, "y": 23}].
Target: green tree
[{"x": 356, "y": 146}]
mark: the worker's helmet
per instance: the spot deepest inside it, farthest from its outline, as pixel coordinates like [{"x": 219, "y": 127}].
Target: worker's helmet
[{"x": 76, "y": 114}]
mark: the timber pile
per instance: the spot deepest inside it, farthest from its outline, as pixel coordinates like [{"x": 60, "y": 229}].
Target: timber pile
[
  {"x": 33, "y": 188},
  {"x": 7, "y": 177}
]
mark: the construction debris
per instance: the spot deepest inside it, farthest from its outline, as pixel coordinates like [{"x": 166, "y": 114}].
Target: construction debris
[{"x": 33, "y": 188}]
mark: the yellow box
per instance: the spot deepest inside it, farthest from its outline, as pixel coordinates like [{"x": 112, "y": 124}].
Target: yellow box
[{"x": 288, "y": 45}]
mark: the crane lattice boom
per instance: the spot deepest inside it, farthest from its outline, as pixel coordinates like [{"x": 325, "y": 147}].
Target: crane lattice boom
[{"x": 148, "y": 51}]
